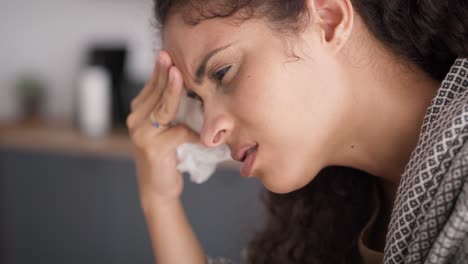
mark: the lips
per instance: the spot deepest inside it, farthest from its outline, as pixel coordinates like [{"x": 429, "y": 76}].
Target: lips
[
  {"x": 248, "y": 162},
  {"x": 241, "y": 154},
  {"x": 248, "y": 152}
]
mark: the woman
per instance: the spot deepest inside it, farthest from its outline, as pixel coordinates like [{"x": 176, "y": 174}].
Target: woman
[{"x": 343, "y": 106}]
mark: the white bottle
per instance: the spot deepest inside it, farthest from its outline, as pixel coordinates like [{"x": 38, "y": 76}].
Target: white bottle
[{"x": 94, "y": 101}]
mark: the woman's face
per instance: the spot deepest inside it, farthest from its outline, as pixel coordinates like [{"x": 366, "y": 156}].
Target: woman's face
[{"x": 255, "y": 92}]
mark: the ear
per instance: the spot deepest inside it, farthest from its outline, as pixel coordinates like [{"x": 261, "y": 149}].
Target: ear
[{"x": 334, "y": 19}]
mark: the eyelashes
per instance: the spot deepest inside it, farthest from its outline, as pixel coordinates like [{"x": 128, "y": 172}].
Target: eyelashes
[{"x": 219, "y": 75}]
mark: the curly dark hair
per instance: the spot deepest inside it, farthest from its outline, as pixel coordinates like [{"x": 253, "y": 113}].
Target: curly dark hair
[{"x": 320, "y": 222}]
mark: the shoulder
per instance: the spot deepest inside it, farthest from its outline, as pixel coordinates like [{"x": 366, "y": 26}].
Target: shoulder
[
  {"x": 434, "y": 184},
  {"x": 458, "y": 168},
  {"x": 451, "y": 242}
]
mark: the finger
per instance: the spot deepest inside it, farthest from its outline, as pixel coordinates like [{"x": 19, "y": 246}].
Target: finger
[
  {"x": 167, "y": 106},
  {"x": 142, "y": 113},
  {"x": 163, "y": 63},
  {"x": 145, "y": 135},
  {"x": 161, "y": 82},
  {"x": 165, "y": 140},
  {"x": 143, "y": 110},
  {"x": 147, "y": 88},
  {"x": 177, "y": 135}
]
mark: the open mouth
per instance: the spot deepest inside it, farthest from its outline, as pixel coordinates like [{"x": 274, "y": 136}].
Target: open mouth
[
  {"x": 248, "y": 161},
  {"x": 249, "y": 151}
]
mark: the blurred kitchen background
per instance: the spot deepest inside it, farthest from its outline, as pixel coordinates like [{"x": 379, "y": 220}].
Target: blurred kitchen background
[{"x": 68, "y": 193}]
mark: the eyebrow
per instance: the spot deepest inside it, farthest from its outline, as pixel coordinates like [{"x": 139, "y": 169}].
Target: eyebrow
[{"x": 202, "y": 67}]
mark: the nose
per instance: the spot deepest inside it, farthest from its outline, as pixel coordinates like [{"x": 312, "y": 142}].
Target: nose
[{"x": 215, "y": 130}]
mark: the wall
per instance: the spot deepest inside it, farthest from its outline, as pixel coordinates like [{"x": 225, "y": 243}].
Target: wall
[{"x": 50, "y": 37}]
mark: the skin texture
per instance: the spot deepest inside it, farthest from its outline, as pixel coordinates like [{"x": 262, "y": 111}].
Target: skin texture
[
  {"x": 160, "y": 184},
  {"x": 348, "y": 101}
]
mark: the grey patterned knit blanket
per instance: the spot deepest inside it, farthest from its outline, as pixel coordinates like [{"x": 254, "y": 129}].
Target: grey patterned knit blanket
[{"x": 429, "y": 222}]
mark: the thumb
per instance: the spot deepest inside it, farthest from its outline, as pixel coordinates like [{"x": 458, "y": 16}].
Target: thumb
[{"x": 182, "y": 134}]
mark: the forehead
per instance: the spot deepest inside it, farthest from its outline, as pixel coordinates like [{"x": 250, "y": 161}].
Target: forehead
[
  {"x": 187, "y": 43},
  {"x": 208, "y": 32}
]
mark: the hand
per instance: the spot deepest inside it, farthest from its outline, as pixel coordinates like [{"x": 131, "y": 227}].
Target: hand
[{"x": 154, "y": 149}]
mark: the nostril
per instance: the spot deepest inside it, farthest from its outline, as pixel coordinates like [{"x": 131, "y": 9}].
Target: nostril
[{"x": 218, "y": 136}]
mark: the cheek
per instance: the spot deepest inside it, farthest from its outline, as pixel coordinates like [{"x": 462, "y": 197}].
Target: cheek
[
  {"x": 271, "y": 106},
  {"x": 291, "y": 113},
  {"x": 253, "y": 98},
  {"x": 294, "y": 123}
]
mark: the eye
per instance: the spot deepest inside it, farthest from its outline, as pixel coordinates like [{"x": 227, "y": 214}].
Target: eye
[{"x": 219, "y": 75}]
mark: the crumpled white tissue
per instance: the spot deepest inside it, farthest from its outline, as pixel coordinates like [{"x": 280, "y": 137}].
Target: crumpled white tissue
[{"x": 197, "y": 160}]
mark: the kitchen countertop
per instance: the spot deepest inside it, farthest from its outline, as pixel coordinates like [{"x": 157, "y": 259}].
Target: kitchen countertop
[{"x": 65, "y": 138}]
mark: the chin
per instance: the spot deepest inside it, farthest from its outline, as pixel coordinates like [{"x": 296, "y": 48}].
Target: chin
[
  {"x": 284, "y": 182},
  {"x": 280, "y": 185}
]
